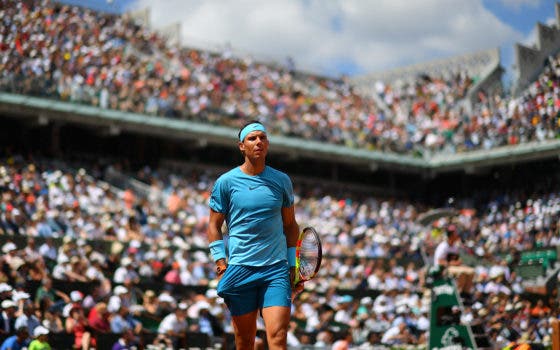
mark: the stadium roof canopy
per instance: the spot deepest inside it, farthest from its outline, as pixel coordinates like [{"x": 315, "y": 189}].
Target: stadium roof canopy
[{"x": 472, "y": 63}]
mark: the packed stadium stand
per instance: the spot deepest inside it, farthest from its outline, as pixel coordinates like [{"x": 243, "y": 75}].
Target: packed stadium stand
[{"x": 111, "y": 139}]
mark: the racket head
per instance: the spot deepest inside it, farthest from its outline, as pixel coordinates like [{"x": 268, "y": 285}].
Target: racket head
[{"x": 309, "y": 254}]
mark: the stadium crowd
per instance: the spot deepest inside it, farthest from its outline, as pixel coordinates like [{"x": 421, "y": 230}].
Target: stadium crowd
[
  {"x": 84, "y": 258},
  {"x": 83, "y": 56}
]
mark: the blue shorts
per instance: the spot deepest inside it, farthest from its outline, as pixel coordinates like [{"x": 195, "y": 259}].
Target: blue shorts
[{"x": 249, "y": 288}]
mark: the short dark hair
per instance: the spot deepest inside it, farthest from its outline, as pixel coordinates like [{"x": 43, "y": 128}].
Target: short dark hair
[{"x": 22, "y": 330}]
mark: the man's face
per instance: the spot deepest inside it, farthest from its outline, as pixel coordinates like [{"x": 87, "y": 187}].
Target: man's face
[
  {"x": 255, "y": 145},
  {"x": 181, "y": 314},
  {"x": 454, "y": 237}
]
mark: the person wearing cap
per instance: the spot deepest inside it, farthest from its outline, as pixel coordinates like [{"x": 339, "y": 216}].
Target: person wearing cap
[
  {"x": 119, "y": 298},
  {"x": 8, "y": 317},
  {"x": 9, "y": 248},
  {"x": 6, "y": 291},
  {"x": 28, "y": 318},
  {"x": 446, "y": 256},
  {"x": 126, "y": 271},
  {"x": 166, "y": 304},
  {"x": 41, "y": 341},
  {"x": 256, "y": 273},
  {"x": 19, "y": 341},
  {"x": 75, "y": 300}
]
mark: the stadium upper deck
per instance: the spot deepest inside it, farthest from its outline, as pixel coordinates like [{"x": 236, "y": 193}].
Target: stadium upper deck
[{"x": 84, "y": 57}]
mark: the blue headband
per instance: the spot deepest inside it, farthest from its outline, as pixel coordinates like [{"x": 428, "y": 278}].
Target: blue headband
[{"x": 250, "y": 128}]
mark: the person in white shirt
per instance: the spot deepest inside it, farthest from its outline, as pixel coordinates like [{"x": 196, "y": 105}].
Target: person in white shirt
[
  {"x": 397, "y": 334},
  {"x": 447, "y": 257},
  {"x": 125, "y": 271},
  {"x": 293, "y": 341},
  {"x": 48, "y": 249},
  {"x": 447, "y": 253},
  {"x": 119, "y": 298},
  {"x": 174, "y": 325},
  {"x": 28, "y": 319}
]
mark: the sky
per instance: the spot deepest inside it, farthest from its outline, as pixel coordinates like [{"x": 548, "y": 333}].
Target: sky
[{"x": 347, "y": 37}]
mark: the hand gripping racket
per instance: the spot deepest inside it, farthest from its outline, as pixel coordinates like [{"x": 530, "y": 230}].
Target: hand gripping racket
[{"x": 308, "y": 255}]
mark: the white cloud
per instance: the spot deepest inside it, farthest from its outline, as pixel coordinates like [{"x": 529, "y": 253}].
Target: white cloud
[{"x": 372, "y": 35}]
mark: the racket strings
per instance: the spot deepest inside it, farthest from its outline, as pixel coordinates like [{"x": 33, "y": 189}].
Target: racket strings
[{"x": 309, "y": 255}]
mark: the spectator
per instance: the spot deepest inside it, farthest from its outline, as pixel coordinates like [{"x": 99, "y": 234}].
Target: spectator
[
  {"x": 19, "y": 341},
  {"x": 447, "y": 257},
  {"x": 48, "y": 250},
  {"x": 28, "y": 318},
  {"x": 41, "y": 341},
  {"x": 98, "y": 318},
  {"x": 52, "y": 320},
  {"x": 119, "y": 298},
  {"x": 173, "y": 275},
  {"x": 174, "y": 326},
  {"x": 203, "y": 320},
  {"x": 126, "y": 272},
  {"x": 8, "y": 317},
  {"x": 166, "y": 304},
  {"x": 127, "y": 341},
  {"x": 46, "y": 291},
  {"x": 76, "y": 271},
  {"x": 149, "y": 313},
  {"x": 397, "y": 334},
  {"x": 150, "y": 302},
  {"x": 123, "y": 320},
  {"x": 77, "y": 325},
  {"x": 502, "y": 224},
  {"x": 76, "y": 301},
  {"x": 6, "y": 291},
  {"x": 344, "y": 342},
  {"x": 324, "y": 339}
]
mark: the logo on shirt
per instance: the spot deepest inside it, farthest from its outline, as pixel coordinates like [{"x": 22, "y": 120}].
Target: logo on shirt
[{"x": 253, "y": 187}]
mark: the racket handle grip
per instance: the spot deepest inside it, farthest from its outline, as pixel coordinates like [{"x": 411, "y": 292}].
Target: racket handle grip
[{"x": 292, "y": 256}]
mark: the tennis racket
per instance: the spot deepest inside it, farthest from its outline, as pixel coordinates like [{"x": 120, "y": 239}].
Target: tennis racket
[{"x": 308, "y": 255}]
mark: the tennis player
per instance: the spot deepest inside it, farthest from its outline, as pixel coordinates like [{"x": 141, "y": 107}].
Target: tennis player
[{"x": 258, "y": 267}]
